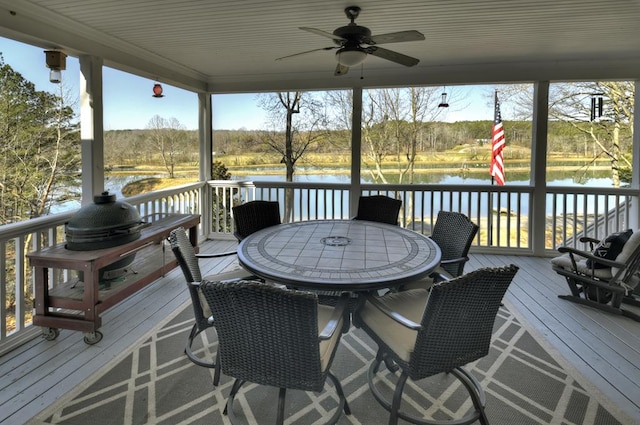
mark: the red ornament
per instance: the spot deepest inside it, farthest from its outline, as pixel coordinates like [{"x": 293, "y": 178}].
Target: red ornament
[{"x": 157, "y": 90}]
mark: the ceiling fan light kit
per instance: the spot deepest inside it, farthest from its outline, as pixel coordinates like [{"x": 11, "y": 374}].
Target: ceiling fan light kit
[
  {"x": 350, "y": 57},
  {"x": 355, "y": 43}
]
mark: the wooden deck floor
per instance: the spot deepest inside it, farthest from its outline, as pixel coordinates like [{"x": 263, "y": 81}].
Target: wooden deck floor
[{"x": 603, "y": 348}]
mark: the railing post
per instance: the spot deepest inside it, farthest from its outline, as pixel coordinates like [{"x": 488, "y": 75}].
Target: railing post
[
  {"x": 91, "y": 127},
  {"x": 538, "y": 206},
  {"x": 356, "y": 150},
  {"x": 205, "y": 134},
  {"x": 634, "y": 213}
]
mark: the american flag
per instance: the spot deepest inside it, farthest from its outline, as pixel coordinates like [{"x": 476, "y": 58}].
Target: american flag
[{"x": 497, "y": 145}]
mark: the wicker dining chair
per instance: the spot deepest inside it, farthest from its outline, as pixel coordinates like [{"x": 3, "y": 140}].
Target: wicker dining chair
[
  {"x": 454, "y": 233},
  {"x": 273, "y": 336},
  {"x": 380, "y": 208},
  {"x": 188, "y": 260},
  {"x": 425, "y": 333},
  {"x": 253, "y": 216}
]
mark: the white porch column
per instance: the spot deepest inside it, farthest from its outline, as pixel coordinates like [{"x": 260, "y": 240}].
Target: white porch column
[
  {"x": 356, "y": 150},
  {"x": 205, "y": 134},
  {"x": 91, "y": 127},
  {"x": 538, "y": 204},
  {"x": 634, "y": 213}
]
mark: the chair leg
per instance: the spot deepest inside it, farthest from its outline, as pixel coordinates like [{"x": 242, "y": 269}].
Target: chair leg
[
  {"x": 216, "y": 371},
  {"x": 228, "y": 408},
  {"x": 344, "y": 405},
  {"x": 281, "y": 396},
  {"x": 475, "y": 391},
  {"x": 469, "y": 381},
  {"x": 397, "y": 399},
  {"x": 195, "y": 331}
]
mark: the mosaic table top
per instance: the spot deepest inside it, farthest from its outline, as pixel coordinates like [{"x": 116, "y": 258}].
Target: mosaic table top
[{"x": 348, "y": 255}]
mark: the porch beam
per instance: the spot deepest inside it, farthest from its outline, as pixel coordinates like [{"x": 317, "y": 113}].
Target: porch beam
[
  {"x": 356, "y": 150},
  {"x": 91, "y": 127},
  {"x": 634, "y": 212},
  {"x": 205, "y": 134},
  {"x": 538, "y": 205}
]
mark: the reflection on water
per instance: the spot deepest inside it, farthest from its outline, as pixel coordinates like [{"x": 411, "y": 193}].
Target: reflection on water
[
  {"x": 113, "y": 184},
  {"x": 428, "y": 203}
]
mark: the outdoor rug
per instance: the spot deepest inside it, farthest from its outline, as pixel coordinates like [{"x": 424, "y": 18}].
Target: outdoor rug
[{"x": 156, "y": 384}]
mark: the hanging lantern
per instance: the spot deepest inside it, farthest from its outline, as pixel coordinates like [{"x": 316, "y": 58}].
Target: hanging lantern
[
  {"x": 596, "y": 106},
  {"x": 443, "y": 102},
  {"x": 157, "y": 90}
]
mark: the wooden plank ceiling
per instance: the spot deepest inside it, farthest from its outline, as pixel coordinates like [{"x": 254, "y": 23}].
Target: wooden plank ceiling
[{"x": 231, "y": 45}]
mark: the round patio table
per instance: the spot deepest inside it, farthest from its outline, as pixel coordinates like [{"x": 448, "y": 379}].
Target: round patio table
[{"x": 340, "y": 255}]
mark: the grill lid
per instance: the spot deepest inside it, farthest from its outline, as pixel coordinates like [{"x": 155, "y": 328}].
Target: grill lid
[{"x": 103, "y": 224}]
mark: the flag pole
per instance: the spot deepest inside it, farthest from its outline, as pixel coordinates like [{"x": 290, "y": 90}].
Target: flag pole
[
  {"x": 497, "y": 160},
  {"x": 491, "y": 197},
  {"x": 490, "y": 224}
]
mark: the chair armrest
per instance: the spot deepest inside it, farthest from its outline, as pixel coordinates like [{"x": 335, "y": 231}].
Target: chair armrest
[
  {"x": 394, "y": 315},
  {"x": 589, "y": 256},
  {"x": 591, "y": 241},
  {"x": 440, "y": 277},
  {"x": 455, "y": 260},
  {"x": 236, "y": 274},
  {"x": 334, "y": 320},
  {"x": 216, "y": 254}
]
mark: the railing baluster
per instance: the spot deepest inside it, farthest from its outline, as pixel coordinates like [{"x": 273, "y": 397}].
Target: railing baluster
[{"x": 571, "y": 213}]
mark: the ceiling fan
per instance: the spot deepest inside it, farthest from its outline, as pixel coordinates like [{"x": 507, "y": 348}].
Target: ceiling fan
[{"x": 355, "y": 42}]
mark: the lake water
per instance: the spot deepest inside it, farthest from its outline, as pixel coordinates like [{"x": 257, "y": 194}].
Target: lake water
[
  {"x": 438, "y": 200},
  {"x": 114, "y": 184}
]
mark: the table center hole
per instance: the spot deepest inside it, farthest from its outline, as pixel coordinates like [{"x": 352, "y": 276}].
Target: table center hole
[{"x": 336, "y": 241}]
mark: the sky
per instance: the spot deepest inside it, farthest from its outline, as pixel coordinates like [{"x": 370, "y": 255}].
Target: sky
[{"x": 129, "y": 104}]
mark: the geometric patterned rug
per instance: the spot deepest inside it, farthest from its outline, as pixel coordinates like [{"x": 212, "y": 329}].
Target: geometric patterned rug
[{"x": 155, "y": 383}]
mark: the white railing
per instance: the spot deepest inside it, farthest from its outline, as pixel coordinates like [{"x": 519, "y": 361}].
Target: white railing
[
  {"x": 499, "y": 211},
  {"x": 579, "y": 211},
  {"x": 504, "y": 215},
  {"x": 17, "y": 287}
]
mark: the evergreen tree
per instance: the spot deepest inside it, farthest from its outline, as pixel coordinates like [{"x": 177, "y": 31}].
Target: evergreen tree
[{"x": 39, "y": 148}]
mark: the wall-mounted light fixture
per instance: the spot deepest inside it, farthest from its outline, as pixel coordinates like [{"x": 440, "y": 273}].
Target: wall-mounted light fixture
[
  {"x": 157, "y": 90},
  {"x": 444, "y": 102},
  {"x": 56, "y": 62}
]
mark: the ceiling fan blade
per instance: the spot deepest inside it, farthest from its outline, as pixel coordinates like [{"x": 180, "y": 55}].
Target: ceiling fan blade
[
  {"x": 341, "y": 70},
  {"x": 392, "y": 56},
  {"x": 323, "y": 33},
  {"x": 396, "y": 37},
  {"x": 308, "y": 51}
]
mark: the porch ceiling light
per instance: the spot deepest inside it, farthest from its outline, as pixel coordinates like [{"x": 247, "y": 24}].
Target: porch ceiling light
[
  {"x": 56, "y": 61},
  {"x": 351, "y": 56}
]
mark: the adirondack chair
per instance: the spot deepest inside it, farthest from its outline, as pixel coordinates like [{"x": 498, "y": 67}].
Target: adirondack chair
[{"x": 600, "y": 282}]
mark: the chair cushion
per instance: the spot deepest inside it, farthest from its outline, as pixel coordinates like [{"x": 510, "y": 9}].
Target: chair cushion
[
  {"x": 564, "y": 261},
  {"x": 423, "y": 283},
  {"x": 628, "y": 249},
  {"x": 610, "y": 248},
  {"x": 327, "y": 346},
  {"x": 398, "y": 338}
]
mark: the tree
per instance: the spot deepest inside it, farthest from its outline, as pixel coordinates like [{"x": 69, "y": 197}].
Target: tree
[
  {"x": 608, "y": 135},
  {"x": 167, "y": 137},
  {"x": 308, "y": 128},
  {"x": 39, "y": 156},
  {"x": 39, "y": 148}
]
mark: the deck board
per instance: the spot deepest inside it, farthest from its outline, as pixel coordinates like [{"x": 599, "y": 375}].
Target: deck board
[{"x": 603, "y": 348}]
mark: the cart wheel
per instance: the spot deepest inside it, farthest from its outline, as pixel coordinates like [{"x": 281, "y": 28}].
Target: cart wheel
[
  {"x": 92, "y": 337},
  {"x": 50, "y": 333}
]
